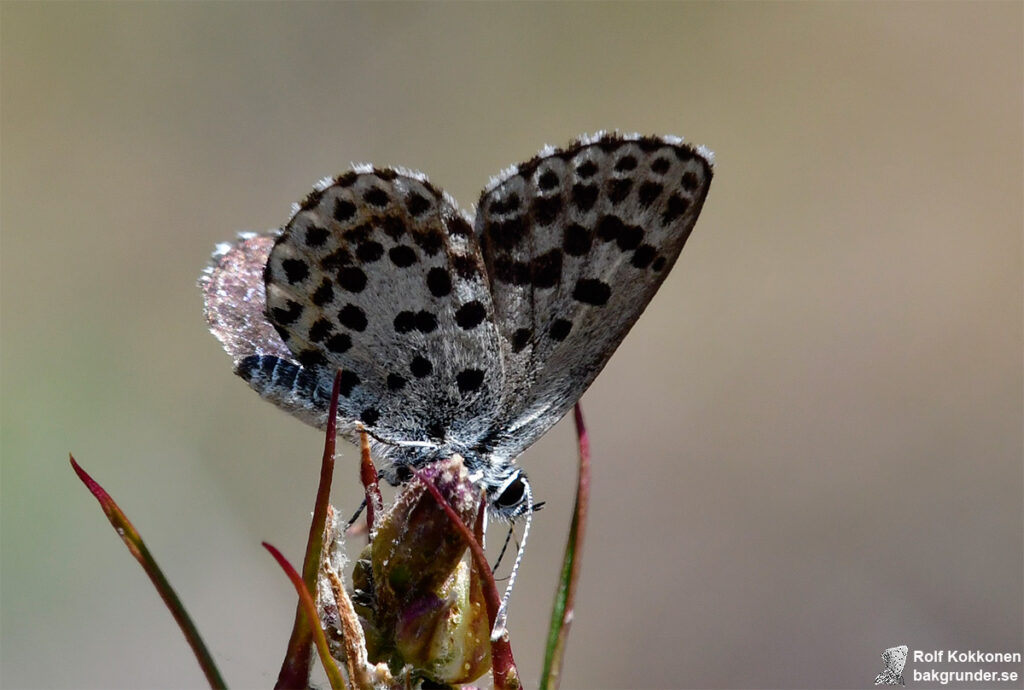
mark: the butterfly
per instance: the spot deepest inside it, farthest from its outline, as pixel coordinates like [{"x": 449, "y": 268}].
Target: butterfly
[
  {"x": 895, "y": 659},
  {"x": 455, "y": 332}
]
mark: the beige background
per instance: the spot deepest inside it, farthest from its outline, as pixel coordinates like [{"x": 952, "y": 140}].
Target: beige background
[{"x": 808, "y": 449}]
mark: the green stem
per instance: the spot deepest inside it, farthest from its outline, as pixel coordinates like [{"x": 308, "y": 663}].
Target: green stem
[
  {"x": 562, "y": 611},
  {"x": 123, "y": 526}
]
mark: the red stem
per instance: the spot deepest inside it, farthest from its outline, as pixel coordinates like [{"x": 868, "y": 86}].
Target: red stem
[
  {"x": 315, "y": 631},
  {"x": 368, "y": 475},
  {"x": 296, "y": 665}
]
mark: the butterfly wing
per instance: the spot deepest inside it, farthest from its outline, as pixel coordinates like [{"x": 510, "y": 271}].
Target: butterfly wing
[
  {"x": 380, "y": 276},
  {"x": 235, "y": 308},
  {"x": 895, "y": 659},
  {"x": 576, "y": 242},
  {"x": 233, "y": 296}
]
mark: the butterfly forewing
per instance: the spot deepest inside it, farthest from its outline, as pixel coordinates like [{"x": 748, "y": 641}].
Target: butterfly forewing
[
  {"x": 235, "y": 302},
  {"x": 379, "y": 275},
  {"x": 576, "y": 242},
  {"x": 233, "y": 295}
]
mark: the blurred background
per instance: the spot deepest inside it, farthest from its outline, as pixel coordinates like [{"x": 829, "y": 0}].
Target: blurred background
[{"x": 807, "y": 450}]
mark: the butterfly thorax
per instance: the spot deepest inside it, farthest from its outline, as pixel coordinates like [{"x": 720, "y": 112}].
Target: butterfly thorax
[{"x": 502, "y": 481}]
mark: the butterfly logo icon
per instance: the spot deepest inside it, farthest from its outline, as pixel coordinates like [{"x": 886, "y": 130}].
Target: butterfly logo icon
[{"x": 895, "y": 658}]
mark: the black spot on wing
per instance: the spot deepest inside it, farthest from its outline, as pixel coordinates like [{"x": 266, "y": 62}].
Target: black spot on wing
[
  {"x": 336, "y": 259},
  {"x": 324, "y": 293},
  {"x": 584, "y": 196},
  {"x": 425, "y": 322},
  {"x": 675, "y": 207},
  {"x": 521, "y": 338},
  {"x": 420, "y": 366},
  {"x": 469, "y": 380},
  {"x": 417, "y": 204},
  {"x": 577, "y": 240},
  {"x": 344, "y": 210},
  {"x": 439, "y": 282},
  {"x": 470, "y": 315},
  {"x": 320, "y": 329},
  {"x": 295, "y": 270},
  {"x": 513, "y": 272},
  {"x": 559, "y": 329},
  {"x": 430, "y": 241},
  {"x": 375, "y": 196},
  {"x": 352, "y": 317},
  {"x": 629, "y": 237},
  {"x": 586, "y": 169},
  {"x": 288, "y": 315},
  {"x": 465, "y": 266},
  {"x": 405, "y": 322},
  {"x": 648, "y": 193},
  {"x": 592, "y": 291},
  {"x": 393, "y": 227},
  {"x": 643, "y": 256},
  {"x": 626, "y": 163},
  {"x": 506, "y": 234},
  {"x": 349, "y": 380},
  {"x": 402, "y": 256},
  {"x": 339, "y": 343},
  {"x": 547, "y": 269},
  {"x": 618, "y": 189},
  {"x": 545, "y": 210},
  {"x": 369, "y": 251},
  {"x": 316, "y": 236},
  {"x": 506, "y": 205},
  {"x": 609, "y": 227},
  {"x": 548, "y": 180},
  {"x": 352, "y": 278},
  {"x": 312, "y": 358}
]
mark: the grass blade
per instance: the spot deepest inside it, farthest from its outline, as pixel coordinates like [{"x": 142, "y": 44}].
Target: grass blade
[
  {"x": 123, "y": 526},
  {"x": 562, "y": 611}
]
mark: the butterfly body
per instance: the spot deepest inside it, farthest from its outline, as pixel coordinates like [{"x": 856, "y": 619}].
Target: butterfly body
[{"x": 457, "y": 334}]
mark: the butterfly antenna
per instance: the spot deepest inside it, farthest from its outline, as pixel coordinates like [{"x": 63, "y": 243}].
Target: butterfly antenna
[
  {"x": 359, "y": 511},
  {"x": 500, "y": 619},
  {"x": 501, "y": 554}
]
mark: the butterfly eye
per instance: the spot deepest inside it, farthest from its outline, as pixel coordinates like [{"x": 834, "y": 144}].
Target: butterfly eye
[{"x": 512, "y": 495}]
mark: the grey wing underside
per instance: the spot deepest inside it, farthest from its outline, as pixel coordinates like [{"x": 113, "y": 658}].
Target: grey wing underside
[
  {"x": 379, "y": 276},
  {"x": 517, "y": 316},
  {"x": 576, "y": 243},
  {"x": 235, "y": 308}
]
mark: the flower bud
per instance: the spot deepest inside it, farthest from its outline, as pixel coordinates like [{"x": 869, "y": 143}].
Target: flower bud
[{"x": 421, "y": 604}]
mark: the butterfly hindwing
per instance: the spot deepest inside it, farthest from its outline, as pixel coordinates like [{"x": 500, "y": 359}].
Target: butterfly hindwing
[
  {"x": 576, "y": 242},
  {"x": 379, "y": 275}
]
